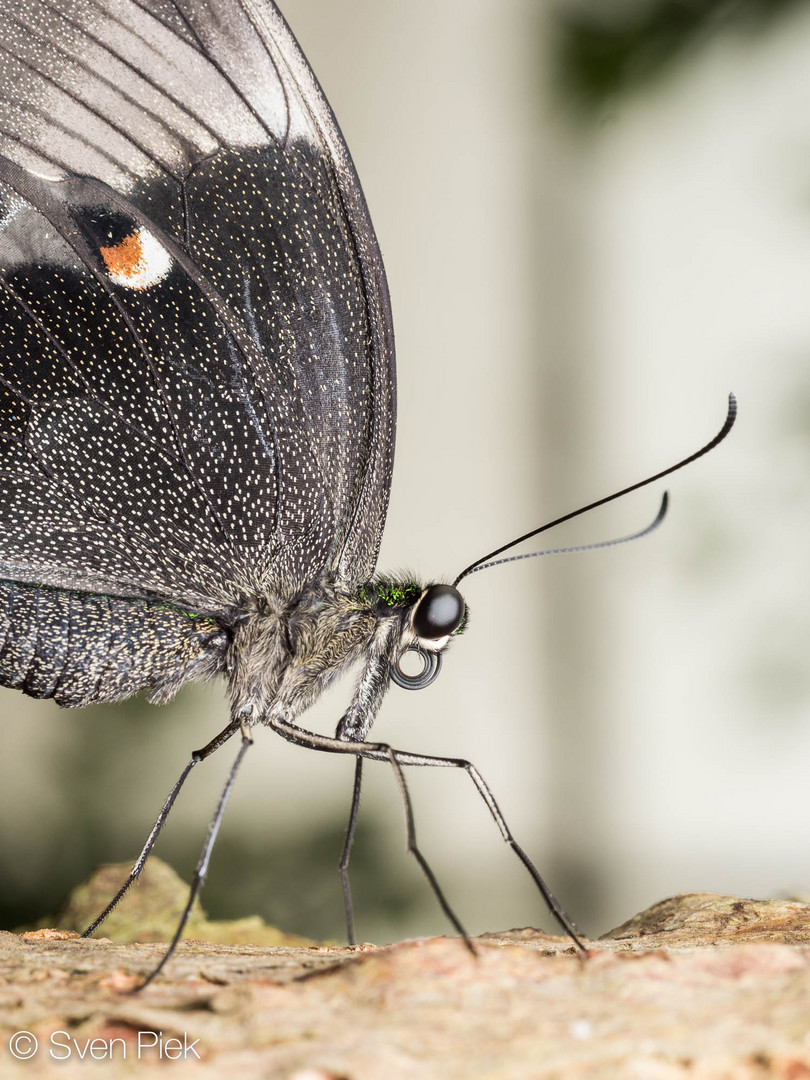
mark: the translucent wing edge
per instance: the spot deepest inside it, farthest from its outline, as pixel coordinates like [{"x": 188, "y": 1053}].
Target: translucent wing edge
[{"x": 357, "y": 555}]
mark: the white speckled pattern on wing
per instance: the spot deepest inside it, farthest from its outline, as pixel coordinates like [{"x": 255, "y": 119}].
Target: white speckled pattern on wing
[{"x": 196, "y": 357}]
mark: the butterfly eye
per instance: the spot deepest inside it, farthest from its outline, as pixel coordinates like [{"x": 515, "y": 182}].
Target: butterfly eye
[{"x": 440, "y": 612}]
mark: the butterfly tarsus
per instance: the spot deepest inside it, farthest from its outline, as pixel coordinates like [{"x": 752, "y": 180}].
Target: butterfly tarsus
[
  {"x": 413, "y": 849},
  {"x": 554, "y": 905},
  {"x": 140, "y": 862}
]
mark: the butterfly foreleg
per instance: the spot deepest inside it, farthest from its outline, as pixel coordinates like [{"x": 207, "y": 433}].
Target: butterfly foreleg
[
  {"x": 377, "y": 752},
  {"x": 398, "y": 758}
]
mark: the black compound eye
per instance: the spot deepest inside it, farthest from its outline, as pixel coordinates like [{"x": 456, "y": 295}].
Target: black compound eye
[{"x": 440, "y": 612}]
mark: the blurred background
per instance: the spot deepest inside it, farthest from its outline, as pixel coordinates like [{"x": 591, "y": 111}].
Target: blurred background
[{"x": 596, "y": 222}]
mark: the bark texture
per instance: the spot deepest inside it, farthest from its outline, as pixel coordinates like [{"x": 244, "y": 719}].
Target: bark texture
[{"x": 698, "y": 986}]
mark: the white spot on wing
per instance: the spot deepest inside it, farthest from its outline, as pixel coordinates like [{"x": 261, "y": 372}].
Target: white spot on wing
[{"x": 138, "y": 261}]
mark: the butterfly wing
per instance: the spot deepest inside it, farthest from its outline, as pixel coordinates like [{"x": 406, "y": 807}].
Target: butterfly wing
[{"x": 196, "y": 354}]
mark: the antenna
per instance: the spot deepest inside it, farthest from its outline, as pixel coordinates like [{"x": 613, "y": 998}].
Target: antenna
[{"x": 731, "y": 416}]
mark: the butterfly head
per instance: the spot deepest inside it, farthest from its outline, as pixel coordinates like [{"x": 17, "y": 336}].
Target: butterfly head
[{"x": 430, "y": 616}]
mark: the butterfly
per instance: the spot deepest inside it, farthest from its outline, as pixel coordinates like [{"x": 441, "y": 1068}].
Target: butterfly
[{"x": 197, "y": 387}]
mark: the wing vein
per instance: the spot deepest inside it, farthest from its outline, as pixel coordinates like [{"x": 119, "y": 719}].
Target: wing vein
[
  {"x": 81, "y": 251},
  {"x": 63, "y": 89},
  {"x": 237, "y": 91},
  {"x": 91, "y": 394},
  {"x": 147, "y": 79}
]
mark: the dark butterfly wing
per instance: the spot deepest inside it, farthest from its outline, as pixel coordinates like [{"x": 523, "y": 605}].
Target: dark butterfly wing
[
  {"x": 196, "y": 358},
  {"x": 196, "y": 355}
]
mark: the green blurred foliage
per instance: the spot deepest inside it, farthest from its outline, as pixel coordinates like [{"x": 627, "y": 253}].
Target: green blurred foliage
[
  {"x": 602, "y": 50},
  {"x": 114, "y": 742},
  {"x": 294, "y": 883}
]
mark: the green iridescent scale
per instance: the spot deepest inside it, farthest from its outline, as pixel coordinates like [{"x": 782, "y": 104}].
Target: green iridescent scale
[{"x": 391, "y": 593}]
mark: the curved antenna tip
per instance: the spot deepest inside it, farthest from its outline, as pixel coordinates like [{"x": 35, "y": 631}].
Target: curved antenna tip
[{"x": 731, "y": 416}]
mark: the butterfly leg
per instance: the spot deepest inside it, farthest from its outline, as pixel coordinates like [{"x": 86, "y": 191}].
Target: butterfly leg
[
  {"x": 343, "y": 866},
  {"x": 378, "y": 752},
  {"x": 196, "y": 757},
  {"x": 354, "y": 726},
  {"x": 417, "y": 854},
  {"x": 382, "y": 752},
  {"x": 201, "y": 870}
]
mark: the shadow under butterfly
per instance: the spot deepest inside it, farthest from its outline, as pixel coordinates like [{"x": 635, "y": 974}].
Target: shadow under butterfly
[{"x": 197, "y": 389}]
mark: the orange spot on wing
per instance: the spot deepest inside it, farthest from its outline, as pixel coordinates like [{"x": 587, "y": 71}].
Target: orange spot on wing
[{"x": 125, "y": 259}]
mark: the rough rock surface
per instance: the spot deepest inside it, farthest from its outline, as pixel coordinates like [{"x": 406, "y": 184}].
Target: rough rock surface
[{"x": 703, "y": 986}]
